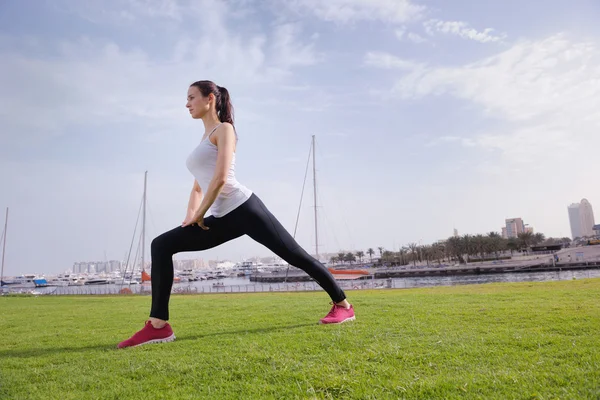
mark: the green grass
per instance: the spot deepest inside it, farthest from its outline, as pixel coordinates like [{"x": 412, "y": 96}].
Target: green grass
[{"x": 493, "y": 341}]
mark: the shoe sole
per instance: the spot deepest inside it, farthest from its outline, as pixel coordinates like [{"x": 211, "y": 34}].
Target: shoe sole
[
  {"x": 165, "y": 340},
  {"x": 336, "y": 323}
]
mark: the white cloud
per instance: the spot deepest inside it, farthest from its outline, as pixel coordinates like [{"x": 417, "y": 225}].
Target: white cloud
[
  {"x": 126, "y": 12},
  {"x": 388, "y": 61},
  {"x": 93, "y": 79},
  {"x": 347, "y": 11},
  {"x": 462, "y": 29},
  {"x": 543, "y": 98},
  {"x": 416, "y": 38},
  {"x": 402, "y": 34},
  {"x": 289, "y": 50}
]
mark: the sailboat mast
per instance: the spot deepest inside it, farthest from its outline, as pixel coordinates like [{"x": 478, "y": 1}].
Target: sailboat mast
[
  {"x": 4, "y": 246},
  {"x": 144, "y": 223},
  {"x": 315, "y": 195}
]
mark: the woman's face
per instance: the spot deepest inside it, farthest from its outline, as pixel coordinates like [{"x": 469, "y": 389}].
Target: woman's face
[{"x": 197, "y": 104}]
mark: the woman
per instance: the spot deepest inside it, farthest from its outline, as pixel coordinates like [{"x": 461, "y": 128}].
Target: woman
[{"x": 236, "y": 211}]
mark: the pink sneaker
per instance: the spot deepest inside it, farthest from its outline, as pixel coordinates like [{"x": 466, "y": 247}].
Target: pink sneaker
[
  {"x": 338, "y": 314},
  {"x": 149, "y": 334}
]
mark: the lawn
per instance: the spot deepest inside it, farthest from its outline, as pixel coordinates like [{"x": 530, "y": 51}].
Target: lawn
[{"x": 495, "y": 341}]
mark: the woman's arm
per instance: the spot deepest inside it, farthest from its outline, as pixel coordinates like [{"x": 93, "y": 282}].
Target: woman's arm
[{"x": 195, "y": 199}]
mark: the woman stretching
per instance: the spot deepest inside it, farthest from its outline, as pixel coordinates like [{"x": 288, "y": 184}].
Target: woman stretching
[{"x": 236, "y": 211}]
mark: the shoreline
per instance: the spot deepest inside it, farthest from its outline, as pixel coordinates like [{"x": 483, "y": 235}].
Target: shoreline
[{"x": 301, "y": 276}]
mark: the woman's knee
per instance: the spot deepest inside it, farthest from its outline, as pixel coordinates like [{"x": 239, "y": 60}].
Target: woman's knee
[{"x": 161, "y": 245}]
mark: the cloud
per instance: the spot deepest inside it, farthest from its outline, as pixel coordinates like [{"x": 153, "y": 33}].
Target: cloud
[
  {"x": 93, "y": 80},
  {"x": 388, "y": 61},
  {"x": 348, "y": 11},
  {"x": 462, "y": 29},
  {"x": 126, "y": 12},
  {"x": 401, "y": 34},
  {"x": 543, "y": 97},
  {"x": 290, "y": 52}
]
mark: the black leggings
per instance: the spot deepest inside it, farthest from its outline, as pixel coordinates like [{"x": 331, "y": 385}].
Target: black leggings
[{"x": 252, "y": 218}]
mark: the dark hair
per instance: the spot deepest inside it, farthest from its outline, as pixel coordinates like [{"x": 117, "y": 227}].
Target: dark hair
[{"x": 222, "y": 100}]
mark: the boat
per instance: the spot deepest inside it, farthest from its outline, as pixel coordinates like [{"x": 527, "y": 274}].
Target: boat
[
  {"x": 128, "y": 278},
  {"x": 2, "y": 282},
  {"x": 97, "y": 281},
  {"x": 40, "y": 282},
  {"x": 348, "y": 271}
]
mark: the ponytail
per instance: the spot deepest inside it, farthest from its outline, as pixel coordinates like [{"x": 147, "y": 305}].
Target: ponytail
[{"x": 224, "y": 106}]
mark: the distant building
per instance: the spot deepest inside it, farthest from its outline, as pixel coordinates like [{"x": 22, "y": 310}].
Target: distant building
[
  {"x": 587, "y": 218},
  {"x": 189, "y": 264},
  {"x": 529, "y": 229},
  {"x": 514, "y": 226},
  {"x": 575, "y": 220},
  {"x": 504, "y": 235},
  {"x": 96, "y": 267},
  {"x": 597, "y": 230},
  {"x": 455, "y": 232},
  {"x": 581, "y": 219}
]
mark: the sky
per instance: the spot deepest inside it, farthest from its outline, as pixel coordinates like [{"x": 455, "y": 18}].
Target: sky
[{"x": 428, "y": 116}]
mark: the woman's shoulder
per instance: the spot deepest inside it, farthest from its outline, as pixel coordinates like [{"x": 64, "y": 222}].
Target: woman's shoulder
[
  {"x": 224, "y": 132},
  {"x": 226, "y": 129},
  {"x": 225, "y": 126}
]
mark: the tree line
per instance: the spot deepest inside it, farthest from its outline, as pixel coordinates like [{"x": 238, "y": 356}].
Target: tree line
[{"x": 491, "y": 246}]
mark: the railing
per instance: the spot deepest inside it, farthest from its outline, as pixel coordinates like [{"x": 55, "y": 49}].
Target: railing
[{"x": 397, "y": 283}]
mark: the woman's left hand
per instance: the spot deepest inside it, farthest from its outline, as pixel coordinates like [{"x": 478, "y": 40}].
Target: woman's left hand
[{"x": 198, "y": 218}]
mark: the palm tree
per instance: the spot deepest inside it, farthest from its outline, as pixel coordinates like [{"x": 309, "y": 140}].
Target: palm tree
[
  {"x": 413, "y": 248},
  {"x": 425, "y": 254},
  {"x": 438, "y": 252},
  {"x": 333, "y": 260},
  {"x": 512, "y": 245},
  {"x": 479, "y": 246},
  {"x": 538, "y": 238},
  {"x": 454, "y": 248},
  {"x": 387, "y": 255},
  {"x": 526, "y": 239},
  {"x": 495, "y": 241},
  {"x": 360, "y": 255},
  {"x": 403, "y": 252},
  {"x": 370, "y": 252},
  {"x": 467, "y": 245},
  {"x": 341, "y": 257},
  {"x": 349, "y": 257},
  {"x": 381, "y": 249}
]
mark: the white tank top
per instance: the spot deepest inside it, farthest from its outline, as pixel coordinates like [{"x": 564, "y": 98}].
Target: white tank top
[{"x": 202, "y": 163}]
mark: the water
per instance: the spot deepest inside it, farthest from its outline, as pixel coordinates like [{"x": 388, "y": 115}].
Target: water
[
  {"x": 490, "y": 278},
  {"x": 243, "y": 284}
]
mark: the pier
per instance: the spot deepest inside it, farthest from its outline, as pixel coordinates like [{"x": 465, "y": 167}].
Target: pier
[{"x": 301, "y": 276}]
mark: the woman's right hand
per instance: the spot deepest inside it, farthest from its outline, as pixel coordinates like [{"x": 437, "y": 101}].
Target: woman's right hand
[{"x": 188, "y": 218}]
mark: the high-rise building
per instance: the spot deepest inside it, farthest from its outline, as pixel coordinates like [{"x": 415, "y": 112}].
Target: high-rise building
[
  {"x": 581, "y": 219},
  {"x": 575, "y": 220},
  {"x": 514, "y": 226},
  {"x": 504, "y": 235},
  {"x": 587, "y": 218}
]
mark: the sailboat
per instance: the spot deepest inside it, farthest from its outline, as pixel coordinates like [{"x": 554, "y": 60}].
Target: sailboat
[
  {"x": 339, "y": 273},
  {"x": 145, "y": 277},
  {"x": 2, "y": 283}
]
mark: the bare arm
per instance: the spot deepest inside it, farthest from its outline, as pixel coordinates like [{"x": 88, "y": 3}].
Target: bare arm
[
  {"x": 195, "y": 199},
  {"x": 225, "y": 144}
]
